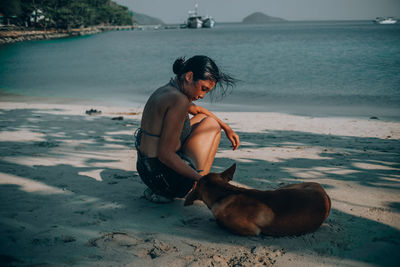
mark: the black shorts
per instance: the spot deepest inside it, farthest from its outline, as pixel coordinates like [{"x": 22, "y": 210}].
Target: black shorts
[{"x": 161, "y": 179}]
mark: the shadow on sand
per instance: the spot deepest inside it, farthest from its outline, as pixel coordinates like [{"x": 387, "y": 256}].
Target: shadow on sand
[{"x": 51, "y": 208}]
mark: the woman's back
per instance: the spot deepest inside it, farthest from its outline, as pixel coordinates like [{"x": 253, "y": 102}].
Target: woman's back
[{"x": 153, "y": 116}]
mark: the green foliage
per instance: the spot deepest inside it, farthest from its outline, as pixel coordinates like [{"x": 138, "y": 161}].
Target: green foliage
[
  {"x": 10, "y": 8},
  {"x": 68, "y": 13}
]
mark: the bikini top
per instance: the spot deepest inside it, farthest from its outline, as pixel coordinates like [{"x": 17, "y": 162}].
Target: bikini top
[{"x": 186, "y": 125}]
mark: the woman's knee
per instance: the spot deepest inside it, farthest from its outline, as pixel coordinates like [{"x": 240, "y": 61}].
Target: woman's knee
[
  {"x": 211, "y": 123},
  {"x": 205, "y": 121},
  {"x": 196, "y": 119}
]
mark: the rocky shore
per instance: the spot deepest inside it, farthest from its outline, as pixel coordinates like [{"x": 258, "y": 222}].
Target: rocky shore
[{"x": 14, "y": 34}]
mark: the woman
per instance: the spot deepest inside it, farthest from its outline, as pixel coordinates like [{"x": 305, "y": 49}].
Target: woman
[{"x": 174, "y": 151}]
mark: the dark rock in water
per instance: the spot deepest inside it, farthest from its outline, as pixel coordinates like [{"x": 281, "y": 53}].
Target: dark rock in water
[
  {"x": 374, "y": 118},
  {"x": 120, "y": 118},
  {"x": 93, "y": 112},
  {"x": 259, "y": 18}
]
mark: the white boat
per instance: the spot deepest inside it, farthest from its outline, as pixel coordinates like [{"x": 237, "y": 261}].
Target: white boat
[
  {"x": 196, "y": 21},
  {"x": 388, "y": 20},
  {"x": 208, "y": 22}
]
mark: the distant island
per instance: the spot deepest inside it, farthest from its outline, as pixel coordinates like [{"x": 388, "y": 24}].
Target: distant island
[{"x": 260, "y": 18}]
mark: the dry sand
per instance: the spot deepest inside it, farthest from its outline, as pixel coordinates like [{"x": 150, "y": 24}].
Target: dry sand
[{"x": 70, "y": 193}]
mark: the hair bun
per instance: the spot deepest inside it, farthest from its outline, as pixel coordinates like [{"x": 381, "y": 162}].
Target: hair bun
[{"x": 178, "y": 65}]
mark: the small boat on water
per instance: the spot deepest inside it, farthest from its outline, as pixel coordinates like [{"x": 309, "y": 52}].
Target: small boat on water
[
  {"x": 208, "y": 22},
  {"x": 388, "y": 20},
  {"x": 196, "y": 21}
]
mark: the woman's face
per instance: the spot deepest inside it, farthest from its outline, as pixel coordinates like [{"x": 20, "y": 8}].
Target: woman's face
[{"x": 197, "y": 89}]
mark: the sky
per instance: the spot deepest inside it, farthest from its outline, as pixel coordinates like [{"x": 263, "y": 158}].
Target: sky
[{"x": 176, "y": 11}]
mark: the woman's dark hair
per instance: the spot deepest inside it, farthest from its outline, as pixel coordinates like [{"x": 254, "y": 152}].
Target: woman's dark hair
[{"x": 204, "y": 68}]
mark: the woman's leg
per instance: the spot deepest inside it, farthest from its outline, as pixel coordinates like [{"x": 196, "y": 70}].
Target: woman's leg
[{"x": 203, "y": 142}]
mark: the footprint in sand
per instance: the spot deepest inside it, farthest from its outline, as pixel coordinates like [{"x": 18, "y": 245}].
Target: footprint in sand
[
  {"x": 192, "y": 221},
  {"x": 65, "y": 239},
  {"x": 256, "y": 256},
  {"x": 47, "y": 144},
  {"x": 123, "y": 242},
  {"x": 121, "y": 176}
]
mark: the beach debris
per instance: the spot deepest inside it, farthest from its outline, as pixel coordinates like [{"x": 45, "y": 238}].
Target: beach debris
[
  {"x": 373, "y": 118},
  {"x": 119, "y": 118},
  {"x": 93, "y": 112}
]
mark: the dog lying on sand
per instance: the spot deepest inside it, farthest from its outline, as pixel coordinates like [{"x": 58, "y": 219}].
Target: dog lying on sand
[{"x": 290, "y": 210}]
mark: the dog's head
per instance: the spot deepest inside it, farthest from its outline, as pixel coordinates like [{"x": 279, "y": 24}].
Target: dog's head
[{"x": 203, "y": 188}]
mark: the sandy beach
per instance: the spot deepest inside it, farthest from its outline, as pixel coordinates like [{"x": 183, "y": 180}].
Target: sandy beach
[{"x": 70, "y": 193}]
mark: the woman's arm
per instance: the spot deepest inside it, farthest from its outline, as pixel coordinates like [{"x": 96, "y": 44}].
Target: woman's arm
[
  {"x": 232, "y": 136},
  {"x": 169, "y": 141}
]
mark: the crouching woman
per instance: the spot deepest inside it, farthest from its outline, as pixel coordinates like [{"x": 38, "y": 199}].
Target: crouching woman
[{"x": 173, "y": 150}]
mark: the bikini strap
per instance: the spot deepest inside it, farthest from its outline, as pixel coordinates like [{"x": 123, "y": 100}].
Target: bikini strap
[
  {"x": 150, "y": 134},
  {"x": 138, "y": 136}
]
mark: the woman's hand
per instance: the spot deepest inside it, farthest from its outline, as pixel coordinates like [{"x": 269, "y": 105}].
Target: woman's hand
[{"x": 232, "y": 136}]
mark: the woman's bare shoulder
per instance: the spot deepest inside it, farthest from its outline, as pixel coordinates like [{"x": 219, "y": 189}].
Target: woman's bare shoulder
[
  {"x": 166, "y": 98},
  {"x": 171, "y": 96}
]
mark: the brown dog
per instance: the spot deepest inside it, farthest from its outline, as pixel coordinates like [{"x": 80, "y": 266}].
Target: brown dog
[{"x": 290, "y": 210}]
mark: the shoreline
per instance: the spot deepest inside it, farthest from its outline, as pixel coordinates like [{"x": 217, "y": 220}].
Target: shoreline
[
  {"x": 70, "y": 192},
  {"x": 9, "y": 35},
  {"x": 358, "y": 111}
]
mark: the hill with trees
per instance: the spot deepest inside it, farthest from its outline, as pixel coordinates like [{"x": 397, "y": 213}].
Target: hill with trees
[
  {"x": 259, "y": 18},
  {"x": 65, "y": 14}
]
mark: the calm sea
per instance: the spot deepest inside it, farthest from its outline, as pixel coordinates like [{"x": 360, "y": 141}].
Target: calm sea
[{"x": 347, "y": 68}]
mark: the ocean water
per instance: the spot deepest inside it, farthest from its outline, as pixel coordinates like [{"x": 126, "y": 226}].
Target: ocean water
[{"x": 346, "y": 68}]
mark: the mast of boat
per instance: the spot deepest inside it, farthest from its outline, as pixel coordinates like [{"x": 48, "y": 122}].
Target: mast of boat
[{"x": 196, "y": 6}]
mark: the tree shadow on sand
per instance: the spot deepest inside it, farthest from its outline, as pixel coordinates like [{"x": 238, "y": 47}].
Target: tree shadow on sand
[
  {"x": 370, "y": 161},
  {"x": 43, "y": 204}
]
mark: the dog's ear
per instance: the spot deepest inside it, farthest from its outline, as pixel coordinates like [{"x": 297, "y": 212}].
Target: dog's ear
[
  {"x": 191, "y": 196},
  {"x": 227, "y": 175}
]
